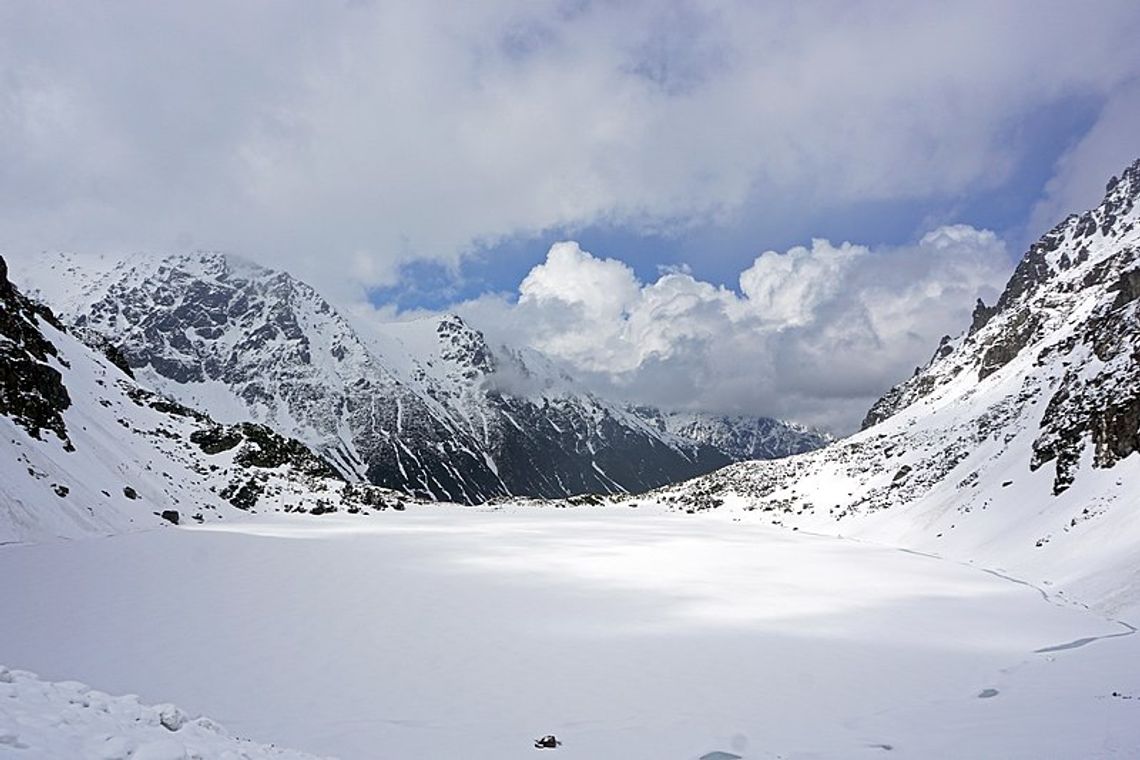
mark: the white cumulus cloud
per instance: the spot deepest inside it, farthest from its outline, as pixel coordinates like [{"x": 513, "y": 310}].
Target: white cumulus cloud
[{"x": 813, "y": 334}]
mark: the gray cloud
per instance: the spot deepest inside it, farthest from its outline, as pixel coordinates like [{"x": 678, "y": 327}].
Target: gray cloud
[
  {"x": 340, "y": 141},
  {"x": 1081, "y": 173}
]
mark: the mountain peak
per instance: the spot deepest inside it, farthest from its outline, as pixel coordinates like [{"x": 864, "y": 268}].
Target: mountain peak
[
  {"x": 1126, "y": 185},
  {"x": 427, "y": 406},
  {"x": 1065, "y": 327}
]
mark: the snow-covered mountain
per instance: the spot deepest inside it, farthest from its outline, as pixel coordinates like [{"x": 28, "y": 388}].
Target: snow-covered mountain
[
  {"x": 89, "y": 449},
  {"x": 427, "y": 406},
  {"x": 741, "y": 437},
  {"x": 1015, "y": 445}
]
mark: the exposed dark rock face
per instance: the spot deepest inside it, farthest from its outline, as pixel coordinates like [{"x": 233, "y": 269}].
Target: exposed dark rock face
[
  {"x": 266, "y": 449},
  {"x": 103, "y": 345},
  {"x": 1016, "y": 334},
  {"x": 31, "y": 390},
  {"x": 216, "y": 439},
  {"x": 243, "y": 493},
  {"x": 981, "y": 316}
]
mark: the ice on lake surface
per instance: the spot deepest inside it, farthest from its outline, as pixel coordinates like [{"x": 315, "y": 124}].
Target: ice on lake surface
[{"x": 467, "y": 633}]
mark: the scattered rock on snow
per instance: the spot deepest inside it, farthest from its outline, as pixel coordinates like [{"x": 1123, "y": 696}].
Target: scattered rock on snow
[
  {"x": 547, "y": 742},
  {"x": 171, "y": 717}
]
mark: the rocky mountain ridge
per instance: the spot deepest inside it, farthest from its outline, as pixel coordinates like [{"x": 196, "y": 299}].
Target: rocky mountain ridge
[
  {"x": 741, "y": 437},
  {"x": 428, "y": 407}
]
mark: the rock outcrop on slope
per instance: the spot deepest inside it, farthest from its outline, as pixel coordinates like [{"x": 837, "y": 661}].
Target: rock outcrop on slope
[
  {"x": 1016, "y": 445},
  {"x": 32, "y": 393}
]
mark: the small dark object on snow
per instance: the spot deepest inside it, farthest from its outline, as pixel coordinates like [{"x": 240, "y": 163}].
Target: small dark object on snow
[
  {"x": 130, "y": 493},
  {"x": 547, "y": 742},
  {"x": 170, "y": 515}
]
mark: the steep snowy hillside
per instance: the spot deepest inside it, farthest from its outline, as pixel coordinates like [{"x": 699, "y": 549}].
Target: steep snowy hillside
[
  {"x": 428, "y": 407},
  {"x": 1015, "y": 445},
  {"x": 91, "y": 450}
]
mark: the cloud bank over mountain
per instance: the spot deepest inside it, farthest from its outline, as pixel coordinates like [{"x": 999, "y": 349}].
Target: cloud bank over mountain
[{"x": 811, "y": 334}]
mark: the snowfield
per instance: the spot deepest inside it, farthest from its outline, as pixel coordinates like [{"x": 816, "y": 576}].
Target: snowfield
[{"x": 452, "y": 632}]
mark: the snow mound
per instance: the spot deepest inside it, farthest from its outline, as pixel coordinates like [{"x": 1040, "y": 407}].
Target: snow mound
[{"x": 69, "y": 719}]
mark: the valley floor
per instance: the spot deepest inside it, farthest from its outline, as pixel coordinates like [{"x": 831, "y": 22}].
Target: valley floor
[{"x": 467, "y": 633}]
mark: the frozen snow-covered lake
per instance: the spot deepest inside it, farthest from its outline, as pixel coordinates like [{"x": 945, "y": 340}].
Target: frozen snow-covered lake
[{"x": 452, "y": 633}]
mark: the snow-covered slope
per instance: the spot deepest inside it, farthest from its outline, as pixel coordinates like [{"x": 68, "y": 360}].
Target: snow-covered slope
[
  {"x": 44, "y": 719},
  {"x": 426, "y": 406},
  {"x": 89, "y": 449},
  {"x": 1015, "y": 446}
]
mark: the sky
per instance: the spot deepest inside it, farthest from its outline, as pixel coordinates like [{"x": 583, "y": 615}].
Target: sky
[{"x": 764, "y": 208}]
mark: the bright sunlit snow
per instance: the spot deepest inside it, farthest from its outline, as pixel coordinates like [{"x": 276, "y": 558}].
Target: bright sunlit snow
[{"x": 468, "y": 633}]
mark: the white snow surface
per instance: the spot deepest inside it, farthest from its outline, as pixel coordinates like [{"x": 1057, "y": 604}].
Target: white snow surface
[
  {"x": 68, "y": 719},
  {"x": 453, "y": 632}
]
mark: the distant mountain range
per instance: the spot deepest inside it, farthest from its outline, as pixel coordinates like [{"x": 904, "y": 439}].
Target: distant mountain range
[{"x": 427, "y": 407}]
